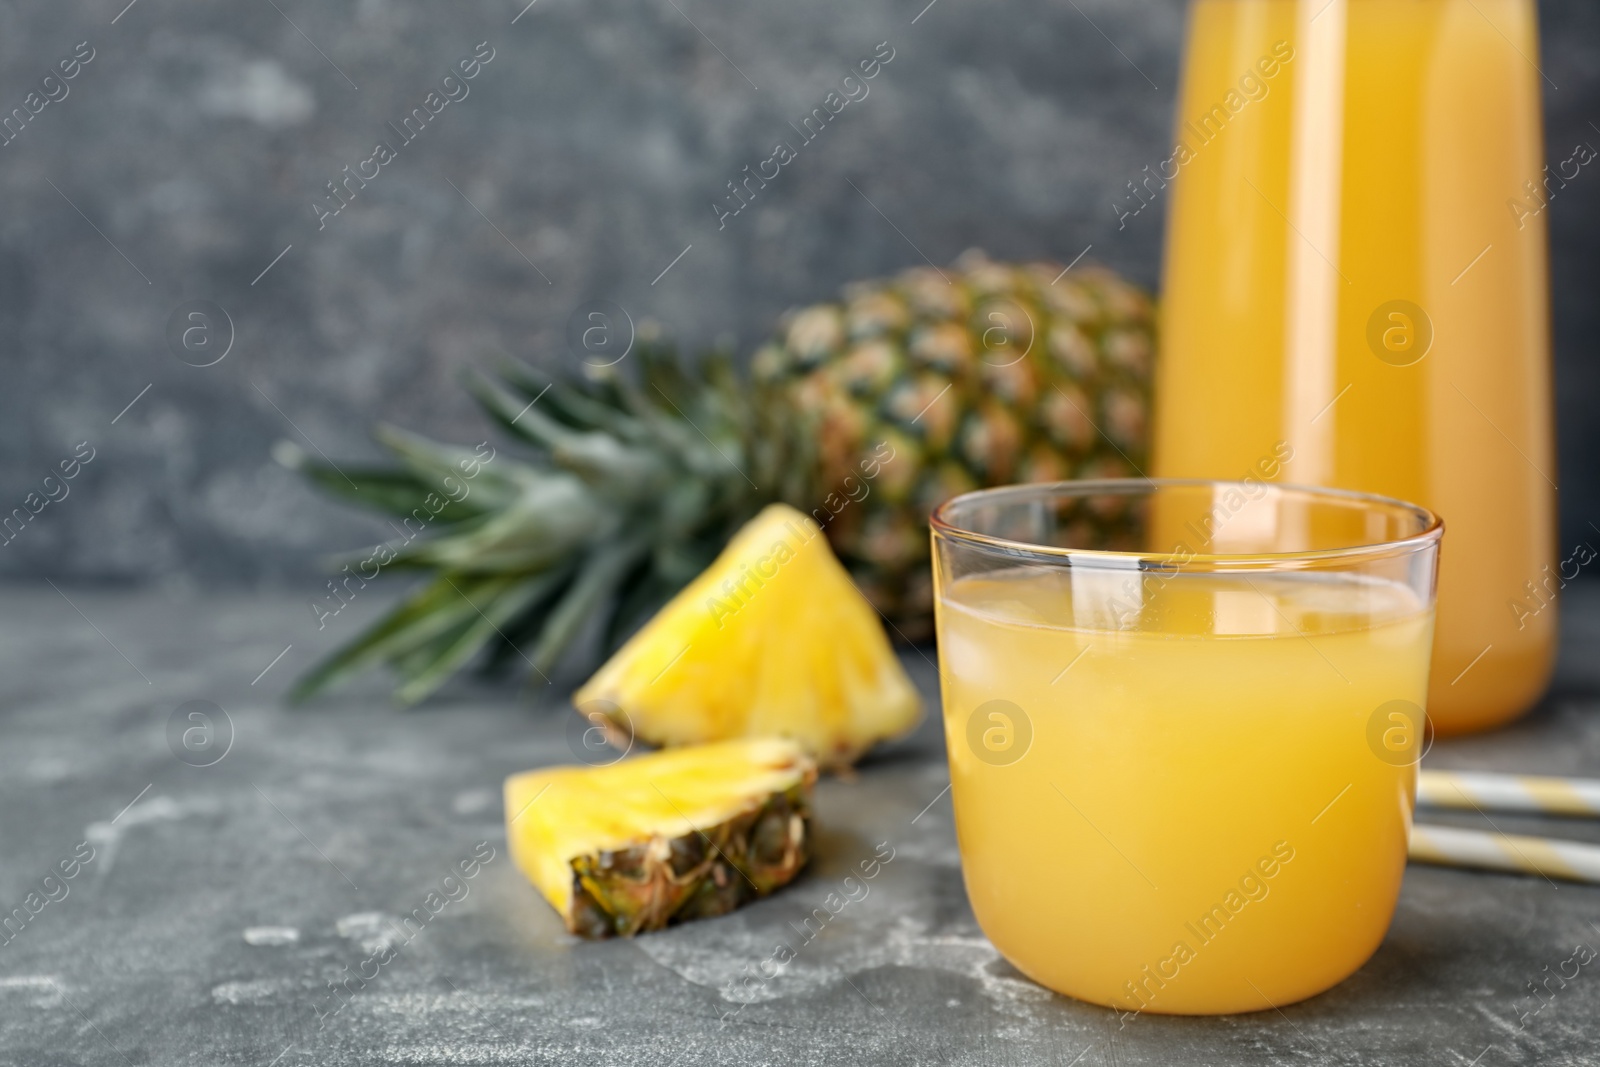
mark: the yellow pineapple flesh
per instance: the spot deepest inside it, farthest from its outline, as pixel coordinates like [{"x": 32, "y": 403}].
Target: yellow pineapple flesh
[
  {"x": 772, "y": 640},
  {"x": 662, "y": 838}
]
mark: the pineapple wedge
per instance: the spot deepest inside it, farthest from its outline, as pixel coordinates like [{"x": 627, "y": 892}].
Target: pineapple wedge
[
  {"x": 772, "y": 640},
  {"x": 662, "y": 838}
]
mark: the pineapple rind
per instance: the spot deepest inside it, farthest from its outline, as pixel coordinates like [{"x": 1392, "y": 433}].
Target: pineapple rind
[
  {"x": 648, "y": 888},
  {"x": 924, "y": 385},
  {"x": 728, "y": 823}
]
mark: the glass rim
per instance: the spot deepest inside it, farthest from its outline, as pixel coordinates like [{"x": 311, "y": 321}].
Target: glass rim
[{"x": 942, "y": 525}]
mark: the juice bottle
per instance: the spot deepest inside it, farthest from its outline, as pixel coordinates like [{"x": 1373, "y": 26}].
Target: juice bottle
[{"x": 1355, "y": 280}]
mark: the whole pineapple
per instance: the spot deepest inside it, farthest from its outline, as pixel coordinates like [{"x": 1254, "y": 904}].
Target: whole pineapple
[{"x": 867, "y": 414}]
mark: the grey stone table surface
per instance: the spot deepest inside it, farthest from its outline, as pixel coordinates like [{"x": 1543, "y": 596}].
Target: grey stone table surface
[{"x": 222, "y": 900}]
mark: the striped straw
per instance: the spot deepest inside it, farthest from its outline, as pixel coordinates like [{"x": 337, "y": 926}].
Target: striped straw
[
  {"x": 1450, "y": 847},
  {"x": 1473, "y": 790}
]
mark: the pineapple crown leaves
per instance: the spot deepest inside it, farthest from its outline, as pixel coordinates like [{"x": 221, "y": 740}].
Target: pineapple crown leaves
[{"x": 617, "y": 493}]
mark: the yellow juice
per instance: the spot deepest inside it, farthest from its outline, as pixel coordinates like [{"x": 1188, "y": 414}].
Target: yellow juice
[
  {"x": 1355, "y": 270},
  {"x": 1184, "y": 795}
]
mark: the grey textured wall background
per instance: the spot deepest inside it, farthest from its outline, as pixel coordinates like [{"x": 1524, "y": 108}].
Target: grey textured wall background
[{"x": 585, "y": 159}]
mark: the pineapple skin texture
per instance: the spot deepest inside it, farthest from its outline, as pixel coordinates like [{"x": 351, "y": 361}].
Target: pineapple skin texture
[
  {"x": 664, "y": 838},
  {"x": 979, "y": 374},
  {"x": 772, "y": 640}
]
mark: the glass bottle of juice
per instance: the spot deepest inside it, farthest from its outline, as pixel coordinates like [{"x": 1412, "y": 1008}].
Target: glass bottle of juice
[{"x": 1355, "y": 293}]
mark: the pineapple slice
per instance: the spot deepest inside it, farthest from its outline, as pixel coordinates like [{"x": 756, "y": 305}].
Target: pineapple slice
[
  {"x": 662, "y": 838},
  {"x": 772, "y": 640}
]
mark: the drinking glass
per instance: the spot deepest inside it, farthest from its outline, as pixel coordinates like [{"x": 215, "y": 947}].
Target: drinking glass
[{"x": 1183, "y": 720}]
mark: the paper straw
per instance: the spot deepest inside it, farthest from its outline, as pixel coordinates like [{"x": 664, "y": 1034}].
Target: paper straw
[
  {"x": 1474, "y": 790},
  {"x": 1450, "y": 847}
]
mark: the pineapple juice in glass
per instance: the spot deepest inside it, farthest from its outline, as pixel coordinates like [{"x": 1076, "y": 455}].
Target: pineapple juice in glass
[
  {"x": 1183, "y": 736},
  {"x": 1356, "y": 265}
]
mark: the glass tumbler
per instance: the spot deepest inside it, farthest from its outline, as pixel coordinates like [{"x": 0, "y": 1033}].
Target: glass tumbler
[{"x": 1183, "y": 720}]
